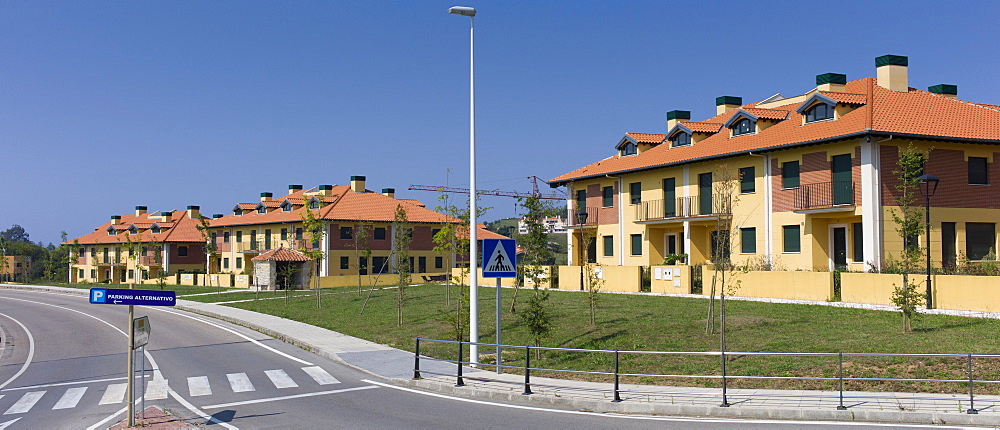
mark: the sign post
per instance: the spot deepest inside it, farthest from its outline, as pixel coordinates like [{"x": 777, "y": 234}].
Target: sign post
[
  {"x": 131, "y": 298},
  {"x": 499, "y": 261}
]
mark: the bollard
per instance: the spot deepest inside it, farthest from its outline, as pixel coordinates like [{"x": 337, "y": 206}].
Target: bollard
[
  {"x": 972, "y": 406},
  {"x": 617, "y": 397},
  {"x": 416, "y": 361},
  {"x": 460, "y": 382},
  {"x": 527, "y": 370}
]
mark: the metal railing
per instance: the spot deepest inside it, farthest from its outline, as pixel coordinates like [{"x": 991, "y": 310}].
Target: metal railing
[
  {"x": 824, "y": 194},
  {"x": 592, "y": 216},
  {"x": 616, "y": 373},
  {"x": 679, "y": 208}
]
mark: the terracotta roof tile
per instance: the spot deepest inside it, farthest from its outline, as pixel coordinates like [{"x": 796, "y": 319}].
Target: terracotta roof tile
[
  {"x": 846, "y": 98},
  {"x": 182, "y": 229},
  {"x": 651, "y": 138},
  {"x": 281, "y": 254},
  {"x": 702, "y": 127},
  {"x": 776, "y": 114}
]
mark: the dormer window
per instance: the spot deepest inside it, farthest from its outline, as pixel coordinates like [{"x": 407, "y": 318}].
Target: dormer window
[
  {"x": 314, "y": 204},
  {"x": 286, "y": 206},
  {"x": 743, "y": 126},
  {"x": 262, "y": 209},
  {"x": 629, "y": 149},
  {"x": 680, "y": 139},
  {"x": 155, "y": 229},
  {"x": 238, "y": 212},
  {"x": 819, "y": 112}
]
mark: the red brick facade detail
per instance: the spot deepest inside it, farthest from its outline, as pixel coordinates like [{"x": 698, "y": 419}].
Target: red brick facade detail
[
  {"x": 595, "y": 199},
  {"x": 195, "y": 253},
  {"x": 952, "y": 168},
  {"x": 814, "y": 168}
]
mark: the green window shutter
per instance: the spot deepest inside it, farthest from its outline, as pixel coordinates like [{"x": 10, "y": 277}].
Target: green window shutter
[
  {"x": 635, "y": 193},
  {"x": 747, "y": 180},
  {"x": 859, "y": 241},
  {"x": 669, "y": 197},
  {"x": 609, "y": 246},
  {"x": 748, "y": 240},
  {"x": 792, "y": 238},
  {"x": 636, "y": 244},
  {"x": 609, "y": 197},
  {"x": 581, "y": 200},
  {"x": 790, "y": 174},
  {"x": 705, "y": 193}
]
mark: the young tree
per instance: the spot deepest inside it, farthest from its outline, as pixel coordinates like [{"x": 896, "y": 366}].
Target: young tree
[
  {"x": 402, "y": 235},
  {"x": 592, "y": 276},
  {"x": 725, "y": 197},
  {"x": 208, "y": 238},
  {"x": 362, "y": 248},
  {"x": 907, "y": 219},
  {"x": 447, "y": 240},
  {"x": 315, "y": 230},
  {"x": 536, "y": 252}
]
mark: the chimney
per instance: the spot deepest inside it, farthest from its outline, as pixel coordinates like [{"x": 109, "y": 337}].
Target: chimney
[
  {"x": 325, "y": 190},
  {"x": 139, "y": 210},
  {"x": 216, "y": 216},
  {"x": 831, "y": 82},
  {"x": 265, "y": 196},
  {"x": 194, "y": 212},
  {"x": 167, "y": 215},
  {"x": 389, "y": 192},
  {"x": 358, "y": 184},
  {"x": 115, "y": 219},
  {"x": 947, "y": 90},
  {"x": 294, "y": 188},
  {"x": 891, "y": 72},
  {"x": 675, "y": 116},
  {"x": 725, "y": 104}
]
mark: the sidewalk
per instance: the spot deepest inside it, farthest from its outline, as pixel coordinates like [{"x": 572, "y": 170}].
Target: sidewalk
[{"x": 397, "y": 366}]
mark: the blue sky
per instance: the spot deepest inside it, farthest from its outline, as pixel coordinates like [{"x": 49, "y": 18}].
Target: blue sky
[{"x": 112, "y": 104}]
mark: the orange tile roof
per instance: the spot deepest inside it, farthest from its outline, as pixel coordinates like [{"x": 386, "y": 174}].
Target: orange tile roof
[
  {"x": 281, "y": 254},
  {"x": 652, "y": 138},
  {"x": 247, "y": 206},
  {"x": 776, "y": 114},
  {"x": 702, "y": 127},
  {"x": 916, "y": 113},
  {"x": 180, "y": 229}
]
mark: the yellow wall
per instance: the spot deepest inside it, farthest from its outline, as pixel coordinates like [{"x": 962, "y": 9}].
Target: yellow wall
[
  {"x": 796, "y": 285},
  {"x": 871, "y": 288},
  {"x": 974, "y": 293},
  {"x": 671, "y": 283}
]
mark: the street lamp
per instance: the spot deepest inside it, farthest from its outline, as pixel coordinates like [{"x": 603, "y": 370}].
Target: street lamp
[
  {"x": 928, "y": 186},
  {"x": 473, "y": 263},
  {"x": 581, "y": 220}
]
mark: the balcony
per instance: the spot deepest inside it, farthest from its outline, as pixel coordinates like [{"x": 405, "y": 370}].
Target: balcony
[
  {"x": 824, "y": 197},
  {"x": 681, "y": 207},
  {"x": 249, "y": 247},
  {"x": 592, "y": 217}
]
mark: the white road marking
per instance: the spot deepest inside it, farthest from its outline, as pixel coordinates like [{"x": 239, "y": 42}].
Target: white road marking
[
  {"x": 31, "y": 352},
  {"x": 114, "y": 394},
  {"x": 4, "y": 425},
  {"x": 70, "y": 398},
  {"x": 194, "y": 409},
  {"x": 240, "y": 382},
  {"x": 252, "y": 340},
  {"x": 294, "y": 396},
  {"x": 198, "y": 386},
  {"x": 61, "y": 384},
  {"x": 156, "y": 389},
  {"x": 280, "y": 379},
  {"x": 26, "y": 402},
  {"x": 320, "y": 375}
]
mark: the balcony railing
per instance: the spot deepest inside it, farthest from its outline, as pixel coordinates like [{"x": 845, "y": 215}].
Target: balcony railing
[
  {"x": 678, "y": 208},
  {"x": 824, "y": 194},
  {"x": 592, "y": 213}
]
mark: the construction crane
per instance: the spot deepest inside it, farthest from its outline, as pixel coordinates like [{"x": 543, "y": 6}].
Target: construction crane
[{"x": 500, "y": 193}]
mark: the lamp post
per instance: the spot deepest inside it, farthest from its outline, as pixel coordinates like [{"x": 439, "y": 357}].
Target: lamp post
[
  {"x": 581, "y": 220},
  {"x": 928, "y": 185},
  {"x": 473, "y": 260}
]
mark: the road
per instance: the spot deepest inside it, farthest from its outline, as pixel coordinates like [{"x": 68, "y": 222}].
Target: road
[{"x": 63, "y": 366}]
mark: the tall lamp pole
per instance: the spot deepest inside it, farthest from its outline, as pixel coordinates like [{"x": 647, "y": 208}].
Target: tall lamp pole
[
  {"x": 473, "y": 257},
  {"x": 928, "y": 186}
]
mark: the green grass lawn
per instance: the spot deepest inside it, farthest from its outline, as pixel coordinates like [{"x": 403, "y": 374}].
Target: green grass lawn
[{"x": 637, "y": 322}]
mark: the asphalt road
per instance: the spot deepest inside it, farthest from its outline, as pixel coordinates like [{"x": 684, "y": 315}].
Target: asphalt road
[{"x": 63, "y": 366}]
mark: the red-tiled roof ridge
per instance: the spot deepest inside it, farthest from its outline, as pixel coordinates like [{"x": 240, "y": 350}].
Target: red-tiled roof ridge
[
  {"x": 281, "y": 254},
  {"x": 651, "y": 138},
  {"x": 773, "y": 113},
  {"x": 702, "y": 127}
]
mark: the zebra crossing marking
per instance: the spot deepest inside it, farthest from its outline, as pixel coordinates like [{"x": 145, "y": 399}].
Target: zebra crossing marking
[
  {"x": 70, "y": 398},
  {"x": 239, "y": 382},
  {"x": 199, "y": 386},
  {"x": 320, "y": 376},
  {"x": 26, "y": 402},
  {"x": 115, "y": 393},
  {"x": 156, "y": 389},
  {"x": 280, "y": 379}
]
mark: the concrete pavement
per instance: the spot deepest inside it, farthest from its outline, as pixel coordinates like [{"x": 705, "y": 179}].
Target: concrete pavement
[{"x": 397, "y": 366}]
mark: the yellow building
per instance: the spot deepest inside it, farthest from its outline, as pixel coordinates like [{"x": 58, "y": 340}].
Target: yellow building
[
  {"x": 141, "y": 245},
  {"x": 16, "y": 269},
  {"x": 813, "y": 177},
  {"x": 274, "y": 222}
]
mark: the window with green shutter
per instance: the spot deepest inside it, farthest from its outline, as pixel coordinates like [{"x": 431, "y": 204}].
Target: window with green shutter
[
  {"x": 636, "y": 244},
  {"x": 790, "y": 174},
  {"x": 792, "y": 238},
  {"x": 705, "y": 193},
  {"x": 608, "y": 197},
  {"x": 747, "y": 180},
  {"x": 635, "y": 193},
  {"x": 609, "y": 246},
  {"x": 748, "y": 240},
  {"x": 581, "y": 200},
  {"x": 669, "y": 197}
]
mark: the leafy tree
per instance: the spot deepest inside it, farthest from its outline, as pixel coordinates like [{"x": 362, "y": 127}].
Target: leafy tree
[
  {"x": 725, "y": 197},
  {"x": 907, "y": 218},
  {"x": 208, "y": 239},
  {"x": 315, "y": 230},
  {"x": 534, "y": 244},
  {"x": 15, "y": 233},
  {"x": 402, "y": 235},
  {"x": 537, "y": 318},
  {"x": 362, "y": 247},
  {"x": 593, "y": 280}
]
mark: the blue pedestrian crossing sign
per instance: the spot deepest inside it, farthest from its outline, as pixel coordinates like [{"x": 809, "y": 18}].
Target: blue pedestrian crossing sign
[{"x": 499, "y": 258}]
